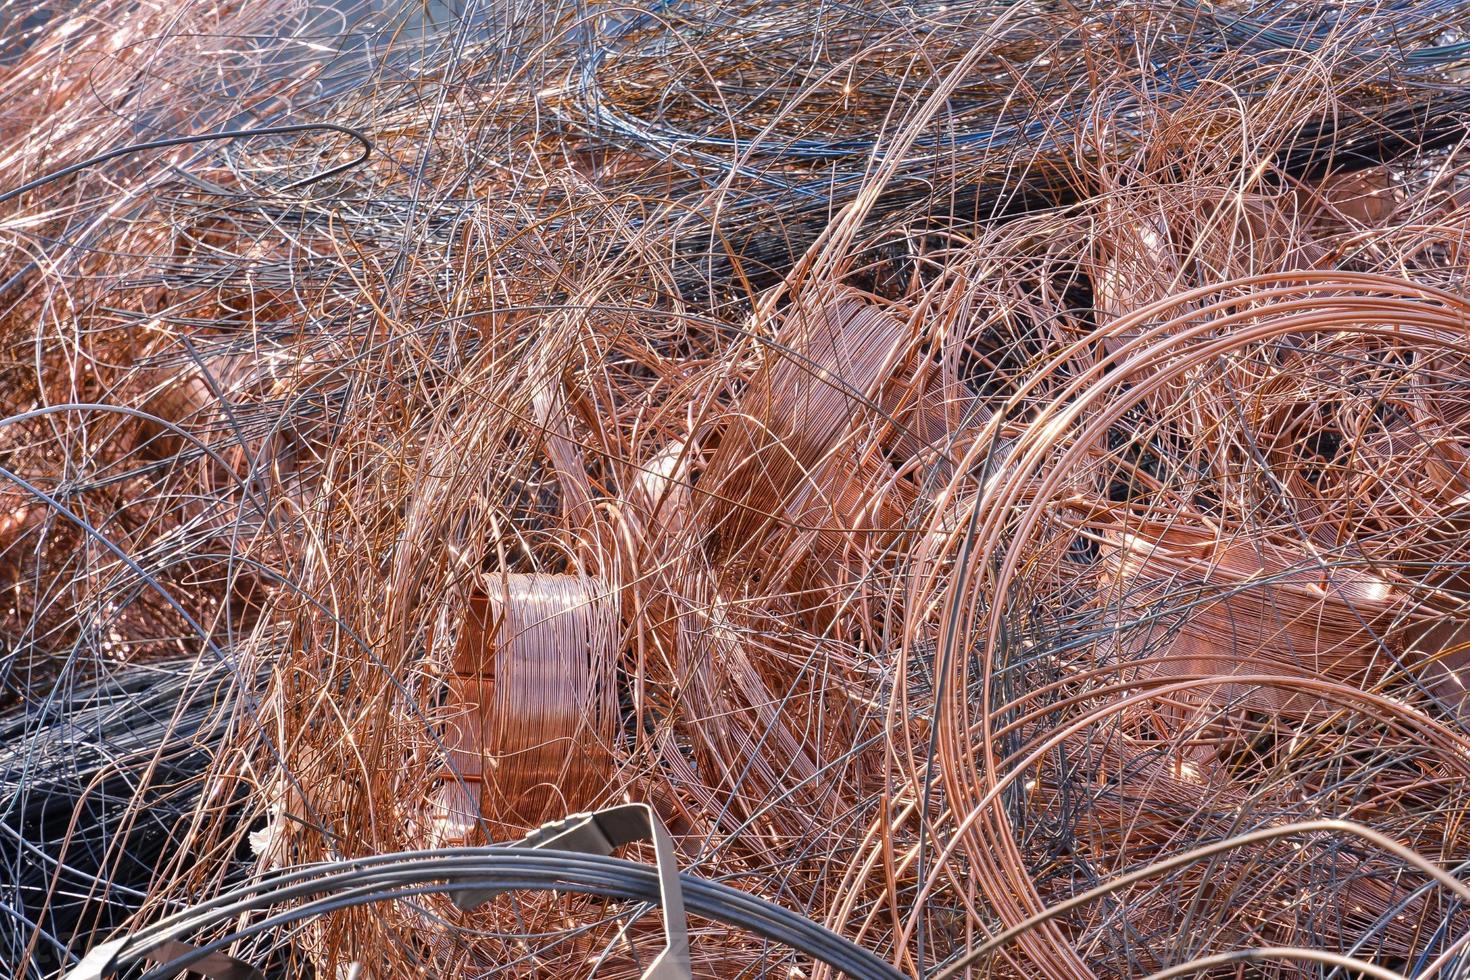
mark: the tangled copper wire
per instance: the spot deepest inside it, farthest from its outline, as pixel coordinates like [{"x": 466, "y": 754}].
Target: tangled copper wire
[{"x": 989, "y": 475}]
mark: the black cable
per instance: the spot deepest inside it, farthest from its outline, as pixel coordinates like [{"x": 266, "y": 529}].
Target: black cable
[
  {"x": 229, "y": 134},
  {"x": 331, "y": 887}
]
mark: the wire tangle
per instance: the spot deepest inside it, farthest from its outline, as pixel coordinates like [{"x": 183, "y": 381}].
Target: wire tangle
[{"x": 994, "y": 477}]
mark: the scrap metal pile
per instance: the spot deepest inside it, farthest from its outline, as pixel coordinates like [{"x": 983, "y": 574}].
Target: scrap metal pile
[{"x": 994, "y": 478}]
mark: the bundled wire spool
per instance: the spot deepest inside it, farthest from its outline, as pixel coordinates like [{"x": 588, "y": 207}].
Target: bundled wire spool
[
  {"x": 791, "y": 447},
  {"x": 99, "y": 783},
  {"x": 834, "y": 433},
  {"x": 473, "y": 876},
  {"x": 1246, "y": 606},
  {"x": 534, "y": 703}
]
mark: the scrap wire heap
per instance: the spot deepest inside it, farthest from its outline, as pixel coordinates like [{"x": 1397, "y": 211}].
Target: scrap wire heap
[{"x": 993, "y": 477}]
